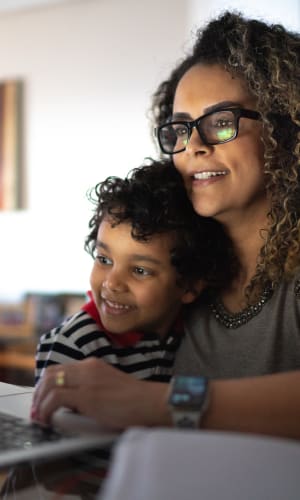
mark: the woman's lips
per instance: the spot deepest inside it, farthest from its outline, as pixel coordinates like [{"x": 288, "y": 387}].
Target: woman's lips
[
  {"x": 208, "y": 174},
  {"x": 206, "y": 177}
]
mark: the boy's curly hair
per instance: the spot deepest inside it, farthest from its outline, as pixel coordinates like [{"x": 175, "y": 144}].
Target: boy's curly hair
[
  {"x": 153, "y": 200},
  {"x": 267, "y": 58}
]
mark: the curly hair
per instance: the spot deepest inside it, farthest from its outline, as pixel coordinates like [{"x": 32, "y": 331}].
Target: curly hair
[
  {"x": 153, "y": 200},
  {"x": 267, "y": 58}
]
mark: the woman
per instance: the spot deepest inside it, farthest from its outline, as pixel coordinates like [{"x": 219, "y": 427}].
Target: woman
[{"x": 229, "y": 116}]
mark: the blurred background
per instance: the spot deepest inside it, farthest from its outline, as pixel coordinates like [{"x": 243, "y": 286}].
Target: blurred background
[{"x": 86, "y": 70}]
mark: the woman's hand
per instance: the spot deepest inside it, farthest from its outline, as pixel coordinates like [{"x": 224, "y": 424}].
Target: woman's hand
[{"x": 95, "y": 389}]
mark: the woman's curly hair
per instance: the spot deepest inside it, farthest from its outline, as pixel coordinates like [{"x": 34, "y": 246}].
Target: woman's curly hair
[
  {"x": 267, "y": 58},
  {"x": 153, "y": 200}
]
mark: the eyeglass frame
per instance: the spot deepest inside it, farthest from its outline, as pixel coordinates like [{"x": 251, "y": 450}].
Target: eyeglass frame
[{"x": 237, "y": 112}]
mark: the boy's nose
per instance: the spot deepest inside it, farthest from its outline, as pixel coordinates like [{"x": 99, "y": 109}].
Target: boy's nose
[{"x": 115, "y": 282}]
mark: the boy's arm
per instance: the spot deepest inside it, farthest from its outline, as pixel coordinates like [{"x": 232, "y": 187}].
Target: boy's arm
[{"x": 55, "y": 348}]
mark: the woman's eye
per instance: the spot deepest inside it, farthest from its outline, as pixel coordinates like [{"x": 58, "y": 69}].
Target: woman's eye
[
  {"x": 180, "y": 130},
  {"x": 105, "y": 261},
  {"x": 224, "y": 124}
]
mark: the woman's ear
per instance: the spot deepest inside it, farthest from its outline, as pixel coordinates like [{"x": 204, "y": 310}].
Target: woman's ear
[{"x": 192, "y": 293}]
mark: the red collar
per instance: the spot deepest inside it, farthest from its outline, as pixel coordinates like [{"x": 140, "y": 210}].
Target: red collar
[{"x": 125, "y": 339}]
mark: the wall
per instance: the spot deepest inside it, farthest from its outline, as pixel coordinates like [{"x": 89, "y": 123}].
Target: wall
[
  {"x": 286, "y": 12},
  {"x": 89, "y": 68}
]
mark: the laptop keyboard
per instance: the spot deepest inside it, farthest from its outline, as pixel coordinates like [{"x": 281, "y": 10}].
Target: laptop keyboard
[{"x": 16, "y": 433}]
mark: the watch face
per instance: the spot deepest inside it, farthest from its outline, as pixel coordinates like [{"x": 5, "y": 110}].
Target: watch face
[{"x": 188, "y": 391}]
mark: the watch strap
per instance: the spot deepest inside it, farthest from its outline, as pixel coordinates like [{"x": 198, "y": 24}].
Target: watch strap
[{"x": 186, "y": 419}]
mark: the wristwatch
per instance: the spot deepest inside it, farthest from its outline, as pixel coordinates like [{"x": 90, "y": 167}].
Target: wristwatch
[{"x": 188, "y": 400}]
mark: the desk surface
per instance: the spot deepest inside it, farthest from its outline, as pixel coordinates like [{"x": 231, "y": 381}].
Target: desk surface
[
  {"x": 161, "y": 464},
  {"x": 166, "y": 464},
  {"x": 15, "y": 400},
  {"x": 63, "y": 479}
]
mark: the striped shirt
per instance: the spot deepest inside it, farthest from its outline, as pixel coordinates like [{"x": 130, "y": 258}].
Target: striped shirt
[{"x": 145, "y": 356}]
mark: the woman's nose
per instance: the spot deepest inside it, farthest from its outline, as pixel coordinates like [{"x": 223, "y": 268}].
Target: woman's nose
[{"x": 196, "y": 145}]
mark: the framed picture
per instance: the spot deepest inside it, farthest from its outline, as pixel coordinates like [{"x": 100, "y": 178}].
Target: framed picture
[{"x": 12, "y": 192}]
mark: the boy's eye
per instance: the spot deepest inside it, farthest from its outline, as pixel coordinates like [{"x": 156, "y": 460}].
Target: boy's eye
[
  {"x": 105, "y": 261},
  {"x": 141, "y": 271}
]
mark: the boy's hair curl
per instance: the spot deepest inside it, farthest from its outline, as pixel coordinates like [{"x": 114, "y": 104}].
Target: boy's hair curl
[{"x": 267, "y": 58}]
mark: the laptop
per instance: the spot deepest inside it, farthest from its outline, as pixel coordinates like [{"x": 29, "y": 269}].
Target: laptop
[{"x": 22, "y": 441}]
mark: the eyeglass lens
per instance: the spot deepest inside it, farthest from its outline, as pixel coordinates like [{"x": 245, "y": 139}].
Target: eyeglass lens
[{"x": 215, "y": 128}]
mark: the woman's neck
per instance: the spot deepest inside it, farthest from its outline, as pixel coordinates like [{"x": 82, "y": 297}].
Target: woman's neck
[{"x": 248, "y": 239}]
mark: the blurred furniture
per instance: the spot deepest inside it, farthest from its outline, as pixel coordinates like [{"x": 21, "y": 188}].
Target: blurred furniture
[
  {"x": 17, "y": 361},
  {"x": 166, "y": 464},
  {"x": 21, "y": 325}
]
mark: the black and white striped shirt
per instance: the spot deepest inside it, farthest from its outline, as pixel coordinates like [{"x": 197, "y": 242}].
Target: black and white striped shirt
[{"x": 146, "y": 356}]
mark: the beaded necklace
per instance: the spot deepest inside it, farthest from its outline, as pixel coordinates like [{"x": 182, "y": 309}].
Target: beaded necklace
[{"x": 234, "y": 320}]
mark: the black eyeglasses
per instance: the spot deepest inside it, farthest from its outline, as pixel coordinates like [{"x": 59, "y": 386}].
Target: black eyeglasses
[{"x": 214, "y": 128}]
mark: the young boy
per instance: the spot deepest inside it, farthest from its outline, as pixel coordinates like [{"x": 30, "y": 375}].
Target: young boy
[{"x": 152, "y": 254}]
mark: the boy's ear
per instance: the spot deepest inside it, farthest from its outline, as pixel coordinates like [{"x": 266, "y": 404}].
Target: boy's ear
[{"x": 191, "y": 293}]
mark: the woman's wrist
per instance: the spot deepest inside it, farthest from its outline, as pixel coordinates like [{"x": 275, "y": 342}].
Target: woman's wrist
[{"x": 156, "y": 409}]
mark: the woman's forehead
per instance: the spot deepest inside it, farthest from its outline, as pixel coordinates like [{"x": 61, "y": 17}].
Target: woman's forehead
[{"x": 204, "y": 86}]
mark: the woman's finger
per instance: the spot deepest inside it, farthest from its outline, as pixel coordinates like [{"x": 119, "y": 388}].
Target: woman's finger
[
  {"x": 67, "y": 397},
  {"x": 54, "y": 377},
  {"x": 73, "y": 375}
]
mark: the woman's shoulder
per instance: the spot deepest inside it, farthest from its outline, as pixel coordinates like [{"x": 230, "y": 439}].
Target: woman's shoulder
[
  {"x": 289, "y": 291},
  {"x": 296, "y": 285},
  {"x": 263, "y": 338}
]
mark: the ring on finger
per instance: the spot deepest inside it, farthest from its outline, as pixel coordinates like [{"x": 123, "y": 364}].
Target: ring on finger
[{"x": 60, "y": 378}]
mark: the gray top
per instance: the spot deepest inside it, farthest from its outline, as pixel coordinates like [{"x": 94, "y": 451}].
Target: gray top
[{"x": 268, "y": 342}]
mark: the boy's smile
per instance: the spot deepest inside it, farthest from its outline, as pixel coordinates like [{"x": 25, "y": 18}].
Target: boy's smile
[{"x": 134, "y": 284}]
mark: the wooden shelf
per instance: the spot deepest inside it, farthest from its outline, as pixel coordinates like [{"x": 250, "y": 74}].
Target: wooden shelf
[{"x": 17, "y": 361}]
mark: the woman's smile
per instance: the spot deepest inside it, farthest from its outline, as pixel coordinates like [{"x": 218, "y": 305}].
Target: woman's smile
[
  {"x": 200, "y": 176},
  {"x": 207, "y": 177}
]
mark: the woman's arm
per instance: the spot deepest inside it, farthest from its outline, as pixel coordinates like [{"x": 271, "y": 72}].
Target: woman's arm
[
  {"x": 265, "y": 405},
  {"x": 268, "y": 404}
]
